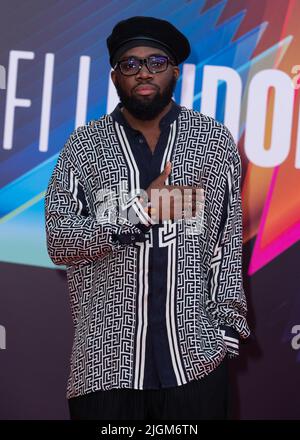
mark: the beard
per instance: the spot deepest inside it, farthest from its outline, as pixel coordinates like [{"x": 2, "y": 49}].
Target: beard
[{"x": 146, "y": 108}]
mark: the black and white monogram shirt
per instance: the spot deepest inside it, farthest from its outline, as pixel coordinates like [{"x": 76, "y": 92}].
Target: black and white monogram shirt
[{"x": 154, "y": 305}]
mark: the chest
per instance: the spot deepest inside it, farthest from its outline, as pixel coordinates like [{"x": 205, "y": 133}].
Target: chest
[
  {"x": 196, "y": 160},
  {"x": 152, "y": 138}
]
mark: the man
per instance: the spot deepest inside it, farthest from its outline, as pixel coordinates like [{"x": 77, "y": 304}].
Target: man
[{"x": 144, "y": 209}]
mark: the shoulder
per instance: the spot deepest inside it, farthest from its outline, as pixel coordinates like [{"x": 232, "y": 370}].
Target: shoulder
[
  {"x": 209, "y": 123},
  {"x": 211, "y": 129},
  {"x": 84, "y": 135},
  {"x": 91, "y": 126}
]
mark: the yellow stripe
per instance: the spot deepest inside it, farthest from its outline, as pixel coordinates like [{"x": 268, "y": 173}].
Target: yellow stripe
[{"x": 23, "y": 207}]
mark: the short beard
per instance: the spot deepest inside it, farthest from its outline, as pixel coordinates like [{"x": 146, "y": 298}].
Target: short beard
[{"x": 146, "y": 108}]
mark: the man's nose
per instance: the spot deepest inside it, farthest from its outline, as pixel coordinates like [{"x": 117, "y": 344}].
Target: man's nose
[{"x": 144, "y": 72}]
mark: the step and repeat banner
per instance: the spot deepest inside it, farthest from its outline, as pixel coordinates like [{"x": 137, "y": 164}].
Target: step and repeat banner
[{"x": 244, "y": 70}]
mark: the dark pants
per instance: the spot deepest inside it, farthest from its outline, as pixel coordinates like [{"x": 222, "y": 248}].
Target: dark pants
[{"x": 206, "y": 398}]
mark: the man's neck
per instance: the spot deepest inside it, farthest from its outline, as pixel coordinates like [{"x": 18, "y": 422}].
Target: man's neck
[{"x": 141, "y": 125}]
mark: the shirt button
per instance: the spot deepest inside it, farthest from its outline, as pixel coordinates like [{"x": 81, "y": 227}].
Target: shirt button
[
  {"x": 141, "y": 140},
  {"x": 132, "y": 237}
]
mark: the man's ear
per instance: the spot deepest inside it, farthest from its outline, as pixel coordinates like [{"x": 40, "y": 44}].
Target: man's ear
[
  {"x": 113, "y": 76},
  {"x": 176, "y": 71}
]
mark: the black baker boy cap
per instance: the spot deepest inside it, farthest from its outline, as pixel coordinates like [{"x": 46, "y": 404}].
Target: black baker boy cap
[{"x": 147, "y": 31}]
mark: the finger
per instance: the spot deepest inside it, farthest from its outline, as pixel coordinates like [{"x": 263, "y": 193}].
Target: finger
[
  {"x": 187, "y": 214},
  {"x": 154, "y": 218},
  {"x": 200, "y": 194},
  {"x": 165, "y": 173},
  {"x": 177, "y": 210}
]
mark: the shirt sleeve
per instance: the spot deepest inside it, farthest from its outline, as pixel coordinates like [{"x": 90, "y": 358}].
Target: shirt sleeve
[
  {"x": 73, "y": 234},
  {"x": 227, "y": 302}
]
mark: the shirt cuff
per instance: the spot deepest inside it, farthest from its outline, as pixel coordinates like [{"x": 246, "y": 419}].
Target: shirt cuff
[
  {"x": 231, "y": 339},
  {"x": 128, "y": 237}
]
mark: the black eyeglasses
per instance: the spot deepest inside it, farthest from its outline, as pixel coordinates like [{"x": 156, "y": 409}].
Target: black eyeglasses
[{"x": 154, "y": 63}]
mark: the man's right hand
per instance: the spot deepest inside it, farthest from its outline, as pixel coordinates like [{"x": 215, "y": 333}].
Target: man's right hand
[{"x": 169, "y": 201}]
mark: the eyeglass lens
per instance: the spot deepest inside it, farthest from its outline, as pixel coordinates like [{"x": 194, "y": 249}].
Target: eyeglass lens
[{"x": 154, "y": 63}]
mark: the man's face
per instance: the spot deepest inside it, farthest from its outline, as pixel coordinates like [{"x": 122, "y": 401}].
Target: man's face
[{"x": 145, "y": 103}]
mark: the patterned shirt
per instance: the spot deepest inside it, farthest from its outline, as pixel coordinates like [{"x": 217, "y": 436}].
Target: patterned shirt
[
  {"x": 154, "y": 305},
  {"x": 158, "y": 370}
]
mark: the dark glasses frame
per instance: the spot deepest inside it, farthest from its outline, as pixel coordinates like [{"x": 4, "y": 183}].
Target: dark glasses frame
[{"x": 144, "y": 61}]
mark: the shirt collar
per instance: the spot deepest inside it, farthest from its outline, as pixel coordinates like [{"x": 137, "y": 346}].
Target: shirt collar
[{"x": 166, "y": 120}]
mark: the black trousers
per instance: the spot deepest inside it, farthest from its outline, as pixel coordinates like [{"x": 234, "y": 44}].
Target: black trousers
[{"x": 203, "y": 399}]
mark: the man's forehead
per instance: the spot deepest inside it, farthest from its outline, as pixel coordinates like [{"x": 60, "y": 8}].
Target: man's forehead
[{"x": 141, "y": 51}]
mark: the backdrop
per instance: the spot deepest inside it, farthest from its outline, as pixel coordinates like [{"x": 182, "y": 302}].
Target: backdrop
[{"x": 54, "y": 76}]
